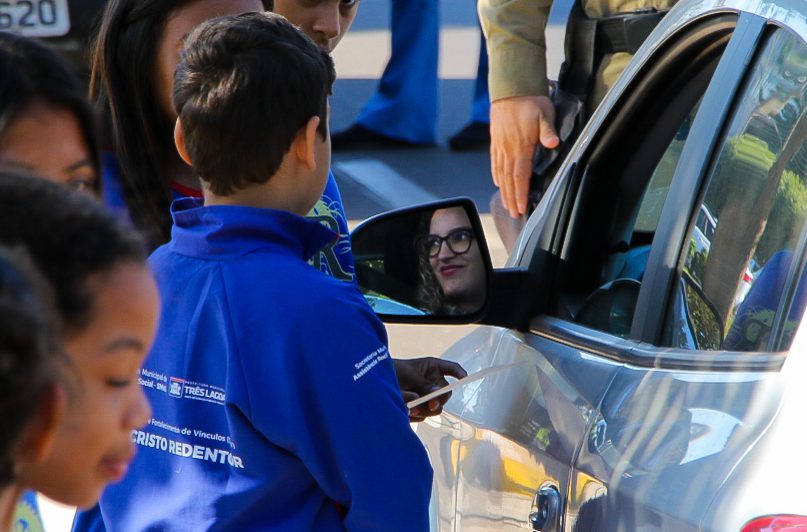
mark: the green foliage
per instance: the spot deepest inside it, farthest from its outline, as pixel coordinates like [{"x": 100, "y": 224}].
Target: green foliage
[
  {"x": 706, "y": 324},
  {"x": 786, "y": 218},
  {"x": 745, "y": 161},
  {"x": 744, "y": 167},
  {"x": 695, "y": 262}
]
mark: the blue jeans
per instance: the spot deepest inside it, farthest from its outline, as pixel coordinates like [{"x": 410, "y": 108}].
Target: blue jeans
[{"x": 405, "y": 105}]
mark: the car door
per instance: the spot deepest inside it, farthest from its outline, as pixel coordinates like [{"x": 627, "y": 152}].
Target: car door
[
  {"x": 702, "y": 386},
  {"x": 509, "y": 446}
]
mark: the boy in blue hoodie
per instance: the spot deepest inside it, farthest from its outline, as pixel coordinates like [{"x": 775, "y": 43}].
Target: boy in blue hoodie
[{"x": 275, "y": 402}]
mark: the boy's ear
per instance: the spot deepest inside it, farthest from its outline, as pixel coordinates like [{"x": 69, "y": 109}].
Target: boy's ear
[
  {"x": 37, "y": 438},
  {"x": 305, "y": 144},
  {"x": 179, "y": 142}
]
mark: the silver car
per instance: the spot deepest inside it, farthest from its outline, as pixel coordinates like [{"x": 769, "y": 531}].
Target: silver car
[{"x": 622, "y": 385}]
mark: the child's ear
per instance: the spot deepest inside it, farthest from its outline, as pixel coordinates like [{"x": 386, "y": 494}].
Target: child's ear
[
  {"x": 305, "y": 144},
  {"x": 179, "y": 141},
  {"x": 38, "y": 437}
]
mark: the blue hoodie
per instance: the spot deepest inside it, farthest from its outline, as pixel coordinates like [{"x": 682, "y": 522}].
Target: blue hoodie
[{"x": 275, "y": 402}]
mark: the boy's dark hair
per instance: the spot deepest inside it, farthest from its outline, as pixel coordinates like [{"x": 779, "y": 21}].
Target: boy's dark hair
[
  {"x": 68, "y": 236},
  {"x": 244, "y": 88},
  {"x": 27, "y": 350},
  {"x": 30, "y": 72}
]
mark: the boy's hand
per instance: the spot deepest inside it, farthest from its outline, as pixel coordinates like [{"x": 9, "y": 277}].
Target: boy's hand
[{"x": 420, "y": 376}]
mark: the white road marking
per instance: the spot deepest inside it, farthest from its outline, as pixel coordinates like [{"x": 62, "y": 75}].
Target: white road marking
[
  {"x": 384, "y": 184},
  {"x": 363, "y": 54}
]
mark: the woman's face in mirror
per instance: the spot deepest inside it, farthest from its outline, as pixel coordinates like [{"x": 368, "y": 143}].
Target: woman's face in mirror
[{"x": 457, "y": 263}]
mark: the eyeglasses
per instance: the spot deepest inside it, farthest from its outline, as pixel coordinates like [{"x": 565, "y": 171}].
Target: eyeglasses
[{"x": 458, "y": 241}]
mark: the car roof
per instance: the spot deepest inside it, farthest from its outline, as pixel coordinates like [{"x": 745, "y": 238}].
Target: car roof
[{"x": 791, "y": 14}]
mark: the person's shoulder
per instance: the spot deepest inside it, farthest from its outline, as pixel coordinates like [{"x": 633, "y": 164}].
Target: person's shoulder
[
  {"x": 159, "y": 255},
  {"x": 341, "y": 292},
  {"x": 287, "y": 280},
  {"x": 321, "y": 301},
  {"x": 338, "y": 299},
  {"x": 169, "y": 266},
  {"x": 280, "y": 269},
  {"x": 162, "y": 260}
]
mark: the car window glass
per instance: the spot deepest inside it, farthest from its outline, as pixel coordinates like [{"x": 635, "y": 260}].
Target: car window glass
[
  {"x": 736, "y": 259},
  {"x": 626, "y": 179},
  {"x": 653, "y": 201},
  {"x": 794, "y": 310},
  {"x": 610, "y": 308}
]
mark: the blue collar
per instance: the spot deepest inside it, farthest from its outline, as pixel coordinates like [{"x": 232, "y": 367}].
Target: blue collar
[{"x": 223, "y": 232}]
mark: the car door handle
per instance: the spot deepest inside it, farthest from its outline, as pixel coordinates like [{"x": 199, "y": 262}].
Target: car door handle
[{"x": 546, "y": 517}]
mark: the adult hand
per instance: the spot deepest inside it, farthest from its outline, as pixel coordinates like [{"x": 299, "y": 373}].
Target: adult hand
[
  {"x": 420, "y": 376},
  {"x": 517, "y": 125}
]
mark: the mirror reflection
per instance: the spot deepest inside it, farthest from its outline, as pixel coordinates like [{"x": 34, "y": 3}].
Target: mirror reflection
[
  {"x": 452, "y": 274},
  {"x": 429, "y": 261}
]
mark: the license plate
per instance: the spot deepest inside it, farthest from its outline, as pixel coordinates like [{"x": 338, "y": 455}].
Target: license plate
[{"x": 35, "y": 18}]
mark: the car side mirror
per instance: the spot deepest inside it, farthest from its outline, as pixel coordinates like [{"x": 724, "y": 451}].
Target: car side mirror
[{"x": 424, "y": 264}]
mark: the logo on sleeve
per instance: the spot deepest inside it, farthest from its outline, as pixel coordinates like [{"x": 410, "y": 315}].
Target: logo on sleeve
[{"x": 364, "y": 365}]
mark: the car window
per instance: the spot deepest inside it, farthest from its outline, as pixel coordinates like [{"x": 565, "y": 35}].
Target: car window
[
  {"x": 650, "y": 208},
  {"x": 735, "y": 263},
  {"x": 625, "y": 179}
]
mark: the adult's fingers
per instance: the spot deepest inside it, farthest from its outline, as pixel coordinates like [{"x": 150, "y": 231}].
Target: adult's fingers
[
  {"x": 506, "y": 189},
  {"x": 546, "y": 123},
  {"x": 496, "y": 163},
  {"x": 517, "y": 125},
  {"x": 451, "y": 369},
  {"x": 548, "y": 137},
  {"x": 522, "y": 174},
  {"x": 416, "y": 414},
  {"x": 409, "y": 396}
]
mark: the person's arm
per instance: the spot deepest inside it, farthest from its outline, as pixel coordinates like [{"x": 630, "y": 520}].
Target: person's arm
[
  {"x": 521, "y": 113},
  {"x": 346, "y": 420}
]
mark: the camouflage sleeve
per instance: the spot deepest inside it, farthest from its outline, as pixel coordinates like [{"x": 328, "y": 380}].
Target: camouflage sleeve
[{"x": 517, "y": 46}]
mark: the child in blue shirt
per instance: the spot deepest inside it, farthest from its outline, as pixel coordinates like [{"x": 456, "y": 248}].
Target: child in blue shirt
[{"x": 275, "y": 402}]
